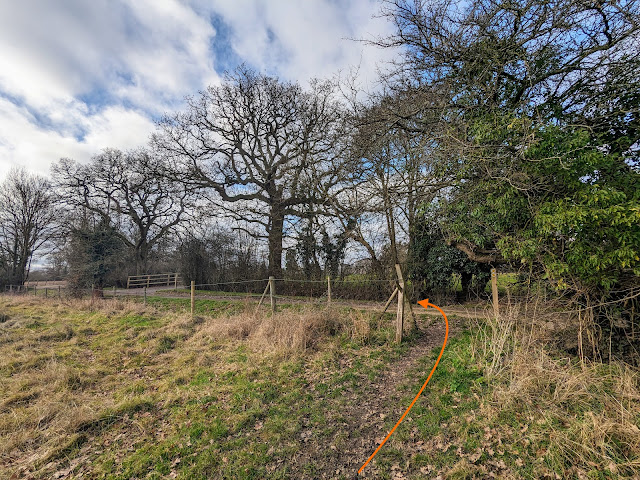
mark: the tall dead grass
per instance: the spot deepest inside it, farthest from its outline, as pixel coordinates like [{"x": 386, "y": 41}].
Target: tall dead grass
[
  {"x": 288, "y": 331},
  {"x": 588, "y": 413}
]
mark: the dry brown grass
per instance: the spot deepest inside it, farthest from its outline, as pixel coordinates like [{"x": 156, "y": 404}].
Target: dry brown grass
[
  {"x": 69, "y": 369},
  {"x": 587, "y": 413},
  {"x": 287, "y": 332},
  {"x": 54, "y": 390}
]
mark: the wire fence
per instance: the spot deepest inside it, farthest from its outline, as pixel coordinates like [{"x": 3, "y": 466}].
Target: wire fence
[
  {"x": 369, "y": 292},
  {"x": 344, "y": 289},
  {"x": 360, "y": 289},
  {"x": 283, "y": 290}
]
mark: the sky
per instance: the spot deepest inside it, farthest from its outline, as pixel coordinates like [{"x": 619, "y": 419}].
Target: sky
[{"x": 77, "y": 76}]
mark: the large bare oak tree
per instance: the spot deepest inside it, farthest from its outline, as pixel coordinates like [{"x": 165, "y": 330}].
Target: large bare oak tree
[{"x": 266, "y": 147}]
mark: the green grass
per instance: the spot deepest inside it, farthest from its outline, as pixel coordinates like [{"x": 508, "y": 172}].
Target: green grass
[
  {"x": 152, "y": 399},
  {"x": 470, "y": 431},
  {"x": 125, "y": 390}
]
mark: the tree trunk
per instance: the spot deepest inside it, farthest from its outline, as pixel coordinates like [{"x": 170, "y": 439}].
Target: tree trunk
[
  {"x": 388, "y": 210},
  {"x": 465, "y": 283},
  {"x": 21, "y": 270},
  {"x": 141, "y": 261},
  {"x": 275, "y": 241}
]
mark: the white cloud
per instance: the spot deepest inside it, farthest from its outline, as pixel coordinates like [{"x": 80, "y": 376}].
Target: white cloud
[
  {"x": 22, "y": 143},
  {"x": 301, "y": 40},
  {"x": 80, "y": 76},
  {"x": 147, "y": 51},
  {"x": 77, "y": 76}
]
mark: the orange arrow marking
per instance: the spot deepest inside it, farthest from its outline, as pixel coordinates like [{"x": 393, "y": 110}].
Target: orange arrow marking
[{"x": 425, "y": 304}]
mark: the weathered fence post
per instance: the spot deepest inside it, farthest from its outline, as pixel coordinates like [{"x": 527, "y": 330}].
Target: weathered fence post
[
  {"x": 145, "y": 295},
  {"x": 46, "y": 292},
  {"x": 175, "y": 285},
  {"x": 115, "y": 294},
  {"x": 494, "y": 291},
  {"x": 59, "y": 292},
  {"x": 328, "y": 289},
  {"x": 400, "y": 314},
  {"x": 264, "y": 294},
  {"x": 35, "y": 290},
  {"x": 193, "y": 297},
  {"x": 272, "y": 293}
]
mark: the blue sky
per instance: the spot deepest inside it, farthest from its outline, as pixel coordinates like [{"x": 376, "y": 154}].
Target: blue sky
[{"x": 77, "y": 76}]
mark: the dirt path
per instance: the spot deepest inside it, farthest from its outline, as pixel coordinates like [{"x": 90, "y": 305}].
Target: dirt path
[{"x": 360, "y": 422}]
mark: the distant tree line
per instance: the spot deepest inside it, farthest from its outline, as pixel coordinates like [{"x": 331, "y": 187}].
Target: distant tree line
[{"x": 506, "y": 134}]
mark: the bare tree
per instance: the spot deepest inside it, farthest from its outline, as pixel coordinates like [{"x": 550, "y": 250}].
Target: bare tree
[
  {"x": 267, "y": 148},
  {"x": 508, "y": 71},
  {"x": 27, "y": 222},
  {"x": 130, "y": 191},
  {"x": 402, "y": 170}
]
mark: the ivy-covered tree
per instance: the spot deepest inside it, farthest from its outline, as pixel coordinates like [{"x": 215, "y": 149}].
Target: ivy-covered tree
[
  {"x": 434, "y": 266},
  {"x": 333, "y": 252},
  {"x": 307, "y": 249},
  {"x": 131, "y": 191},
  {"x": 94, "y": 252}
]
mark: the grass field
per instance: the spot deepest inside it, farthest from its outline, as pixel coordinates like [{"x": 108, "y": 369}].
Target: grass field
[{"x": 119, "y": 390}]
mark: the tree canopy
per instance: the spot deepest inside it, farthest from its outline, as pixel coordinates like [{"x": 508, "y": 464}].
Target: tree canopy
[{"x": 265, "y": 147}]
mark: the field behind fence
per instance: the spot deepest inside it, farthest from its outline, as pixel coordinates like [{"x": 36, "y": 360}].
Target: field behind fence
[{"x": 164, "y": 289}]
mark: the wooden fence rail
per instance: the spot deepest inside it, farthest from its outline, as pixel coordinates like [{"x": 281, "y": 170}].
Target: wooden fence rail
[{"x": 153, "y": 280}]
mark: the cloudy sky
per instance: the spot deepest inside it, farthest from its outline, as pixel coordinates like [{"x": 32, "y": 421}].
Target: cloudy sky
[{"x": 77, "y": 76}]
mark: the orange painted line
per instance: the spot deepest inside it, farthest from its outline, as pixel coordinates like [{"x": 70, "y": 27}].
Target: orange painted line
[{"x": 425, "y": 304}]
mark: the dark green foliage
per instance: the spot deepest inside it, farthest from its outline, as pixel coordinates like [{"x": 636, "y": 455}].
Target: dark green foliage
[
  {"x": 94, "y": 253},
  {"x": 307, "y": 250},
  {"x": 584, "y": 219},
  {"x": 333, "y": 252},
  {"x": 434, "y": 267},
  {"x": 195, "y": 263}
]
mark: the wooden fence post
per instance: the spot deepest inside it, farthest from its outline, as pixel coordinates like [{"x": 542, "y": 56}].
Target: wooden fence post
[
  {"x": 35, "y": 290},
  {"x": 175, "y": 286},
  {"x": 115, "y": 294},
  {"x": 272, "y": 294},
  {"x": 145, "y": 295},
  {"x": 386, "y": 305},
  {"x": 59, "y": 292},
  {"x": 46, "y": 292},
  {"x": 193, "y": 297},
  {"x": 400, "y": 314},
  {"x": 494, "y": 291},
  {"x": 264, "y": 294},
  {"x": 328, "y": 290}
]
